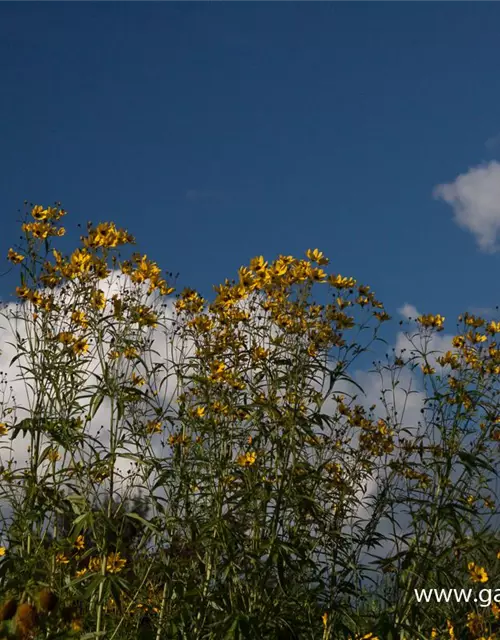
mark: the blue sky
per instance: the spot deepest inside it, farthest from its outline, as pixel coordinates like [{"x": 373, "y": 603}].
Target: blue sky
[{"x": 218, "y": 131}]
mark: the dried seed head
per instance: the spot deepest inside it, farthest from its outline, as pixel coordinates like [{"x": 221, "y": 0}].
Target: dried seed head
[
  {"x": 8, "y": 609},
  {"x": 47, "y": 599}
]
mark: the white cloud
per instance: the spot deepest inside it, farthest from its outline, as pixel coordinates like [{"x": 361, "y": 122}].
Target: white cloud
[
  {"x": 475, "y": 199},
  {"x": 408, "y": 311}
]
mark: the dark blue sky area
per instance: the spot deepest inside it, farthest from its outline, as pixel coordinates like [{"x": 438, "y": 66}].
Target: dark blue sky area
[{"x": 216, "y": 132}]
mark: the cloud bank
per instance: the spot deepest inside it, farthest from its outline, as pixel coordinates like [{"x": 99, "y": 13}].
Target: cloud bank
[{"x": 474, "y": 197}]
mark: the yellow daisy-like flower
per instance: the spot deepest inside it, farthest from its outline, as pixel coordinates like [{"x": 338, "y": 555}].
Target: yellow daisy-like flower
[
  {"x": 3, "y": 551},
  {"x": 3, "y": 429},
  {"x": 79, "y": 543},
  {"x": 98, "y": 299},
  {"x": 14, "y": 257},
  {"x": 477, "y": 574},
  {"x": 427, "y": 370},
  {"x": 61, "y": 558},
  {"x": 76, "y": 625},
  {"x": 53, "y": 455},
  {"x": 79, "y": 318},
  {"x": 130, "y": 353},
  {"x": 429, "y": 320},
  {"x": 81, "y": 573},
  {"x": 247, "y": 459},
  {"x": 80, "y": 347},
  {"x": 324, "y": 617},
  {"x": 315, "y": 255},
  {"x": 115, "y": 563},
  {"x": 66, "y": 337},
  {"x": 153, "y": 426},
  {"x": 94, "y": 564},
  {"x": 138, "y": 380},
  {"x": 39, "y": 213},
  {"x": 23, "y": 292}
]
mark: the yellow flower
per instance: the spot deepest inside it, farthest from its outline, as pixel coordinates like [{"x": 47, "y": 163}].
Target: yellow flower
[
  {"x": 80, "y": 347},
  {"x": 76, "y": 625},
  {"x": 23, "y": 292},
  {"x": 317, "y": 256},
  {"x": 153, "y": 426},
  {"x": 217, "y": 370},
  {"x": 138, "y": 380},
  {"x": 3, "y": 429},
  {"x": 53, "y": 455},
  {"x": 341, "y": 282},
  {"x": 14, "y": 257},
  {"x": 477, "y": 574},
  {"x": 79, "y": 317},
  {"x": 3, "y": 551},
  {"x": 246, "y": 459},
  {"x": 39, "y": 213},
  {"x": 324, "y": 617},
  {"x": 81, "y": 573},
  {"x": 115, "y": 563},
  {"x": 61, "y": 558},
  {"x": 474, "y": 623},
  {"x": 429, "y": 320},
  {"x": 94, "y": 564},
  {"x": 66, "y": 337},
  {"x": 81, "y": 261},
  {"x": 312, "y": 350},
  {"x": 428, "y": 370},
  {"x": 98, "y": 299},
  {"x": 80, "y": 542}
]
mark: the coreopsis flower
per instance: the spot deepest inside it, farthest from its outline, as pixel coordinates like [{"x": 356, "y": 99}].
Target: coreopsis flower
[
  {"x": 114, "y": 563},
  {"x": 23, "y": 292},
  {"x": 130, "y": 353},
  {"x": 66, "y": 337},
  {"x": 429, "y": 320},
  {"x": 61, "y": 558},
  {"x": 14, "y": 257},
  {"x": 80, "y": 347},
  {"x": 138, "y": 380},
  {"x": 95, "y": 564},
  {"x": 315, "y": 255},
  {"x": 477, "y": 574},
  {"x": 341, "y": 282},
  {"x": 98, "y": 299},
  {"x": 246, "y": 459},
  {"x": 153, "y": 426},
  {"x": 39, "y": 213},
  {"x": 79, "y": 542},
  {"x": 3, "y": 429},
  {"x": 79, "y": 318},
  {"x": 53, "y": 455}
]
